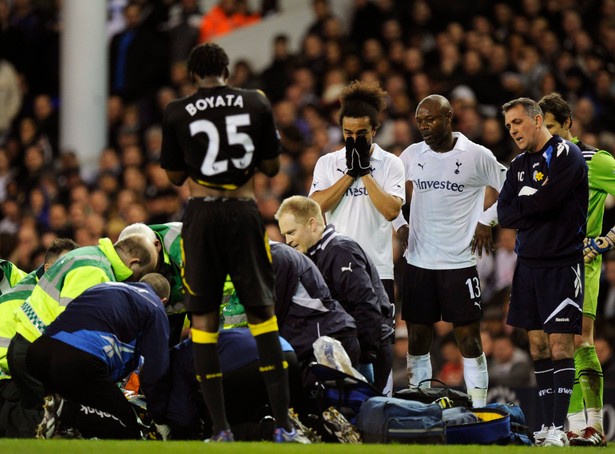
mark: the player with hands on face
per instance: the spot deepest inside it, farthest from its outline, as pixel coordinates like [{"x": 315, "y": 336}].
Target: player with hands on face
[
  {"x": 357, "y": 157},
  {"x": 360, "y": 189}
]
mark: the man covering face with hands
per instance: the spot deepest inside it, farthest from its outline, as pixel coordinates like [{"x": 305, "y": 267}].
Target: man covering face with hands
[{"x": 360, "y": 189}]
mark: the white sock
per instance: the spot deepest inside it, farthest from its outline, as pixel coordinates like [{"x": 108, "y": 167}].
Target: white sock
[
  {"x": 419, "y": 369},
  {"x": 477, "y": 379},
  {"x": 594, "y": 418},
  {"x": 576, "y": 421}
]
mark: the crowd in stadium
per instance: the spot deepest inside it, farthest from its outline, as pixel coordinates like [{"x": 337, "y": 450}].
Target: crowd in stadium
[{"x": 478, "y": 55}]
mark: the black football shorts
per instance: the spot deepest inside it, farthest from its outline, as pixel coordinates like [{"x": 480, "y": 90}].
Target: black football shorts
[
  {"x": 429, "y": 296},
  {"x": 549, "y": 299},
  {"x": 225, "y": 236}
]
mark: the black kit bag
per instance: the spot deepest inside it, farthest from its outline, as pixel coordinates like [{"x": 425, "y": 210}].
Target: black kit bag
[
  {"x": 341, "y": 391},
  {"x": 448, "y": 397}
]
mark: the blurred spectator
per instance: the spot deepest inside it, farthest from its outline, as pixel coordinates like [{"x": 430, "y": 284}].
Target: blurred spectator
[
  {"x": 400, "y": 349},
  {"x": 47, "y": 121},
  {"x": 509, "y": 365},
  {"x": 451, "y": 370},
  {"x": 99, "y": 202},
  {"x": 27, "y": 242},
  {"x": 59, "y": 222},
  {"x": 10, "y": 93},
  {"x": 33, "y": 45},
  {"x": 606, "y": 297},
  {"x": 115, "y": 112},
  {"x": 33, "y": 167},
  {"x": 605, "y": 352},
  {"x": 137, "y": 62},
  {"x": 496, "y": 270},
  {"x": 6, "y": 173},
  {"x": 364, "y": 20},
  {"x": 183, "y": 28},
  {"x": 153, "y": 143},
  {"x": 277, "y": 76},
  {"x": 38, "y": 208},
  {"x": 11, "y": 216},
  {"x": 494, "y": 139},
  {"x": 224, "y": 17},
  {"x": 322, "y": 13},
  {"x": 487, "y": 342},
  {"x": 603, "y": 99},
  {"x": 532, "y": 70},
  {"x": 243, "y": 76}
]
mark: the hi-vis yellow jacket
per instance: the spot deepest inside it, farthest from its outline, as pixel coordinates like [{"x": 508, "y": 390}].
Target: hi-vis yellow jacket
[
  {"x": 9, "y": 302},
  {"x": 65, "y": 280}
]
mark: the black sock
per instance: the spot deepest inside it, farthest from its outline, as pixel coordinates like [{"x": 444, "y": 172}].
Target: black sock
[
  {"x": 275, "y": 373},
  {"x": 543, "y": 370},
  {"x": 563, "y": 379},
  {"x": 209, "y": 376}
]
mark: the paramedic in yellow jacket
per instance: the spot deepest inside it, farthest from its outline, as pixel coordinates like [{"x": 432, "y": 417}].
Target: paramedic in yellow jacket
[
  {"x": 16, "y": 417},
  {"x": 127, "y": 260},
  {"x": 15, "y": 296},
  {"x": 10, "y": 275}
]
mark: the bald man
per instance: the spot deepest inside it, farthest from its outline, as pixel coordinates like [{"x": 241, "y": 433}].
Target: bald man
[{"x": 446, "y": 177}]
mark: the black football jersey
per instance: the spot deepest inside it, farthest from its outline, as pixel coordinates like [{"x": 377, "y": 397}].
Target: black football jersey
[{"x": 219, "y": 135}]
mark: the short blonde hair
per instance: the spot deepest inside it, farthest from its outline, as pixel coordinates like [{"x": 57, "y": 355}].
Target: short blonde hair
[{"x": 303, "y": 208}]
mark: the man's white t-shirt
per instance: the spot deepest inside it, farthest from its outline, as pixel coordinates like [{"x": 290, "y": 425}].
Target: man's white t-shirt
[
  {"x": 447, "y": 201},
  {"x": 355, "y": 215}
]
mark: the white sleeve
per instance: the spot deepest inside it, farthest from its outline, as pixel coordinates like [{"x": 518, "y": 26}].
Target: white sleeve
[
  {"x": 320, "y": 179},
  {"x": 492, "y": 173},
  {"x": 399, "y": 221},
  {"x": 395, "y": 183},
  {"x": 405, "y": 160},
  {"x": 490, "y": 215}
]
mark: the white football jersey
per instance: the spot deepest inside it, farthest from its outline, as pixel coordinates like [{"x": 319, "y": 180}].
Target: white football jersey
[
  {"x": 447, "y": 200},
  {"x": 355, "y": 215}
]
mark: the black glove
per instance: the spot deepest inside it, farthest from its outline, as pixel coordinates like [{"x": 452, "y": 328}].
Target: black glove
[
  {"x": 352, "y": 163},
  {"x": 361, "y": 152}
]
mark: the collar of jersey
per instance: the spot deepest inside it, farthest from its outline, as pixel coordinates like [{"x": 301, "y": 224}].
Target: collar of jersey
[
  {"x": 165, "y": 255},
  {"x": 378, "y": 153},
  {"x": 211, "y": 89},
  {"x": 327, "y": 235},
  {"x": 120, "y": 270},
  {"x": 461, "y": 144}
]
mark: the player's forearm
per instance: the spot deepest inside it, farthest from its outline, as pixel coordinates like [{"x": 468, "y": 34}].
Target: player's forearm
[
  {"x": 388, "y": 205},
  {"x": 330, "y": 197},
  {"x": 509, "y": 216}
]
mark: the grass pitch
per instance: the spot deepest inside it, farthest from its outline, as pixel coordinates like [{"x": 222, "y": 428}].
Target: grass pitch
[{"x": 12, "y": 446}]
